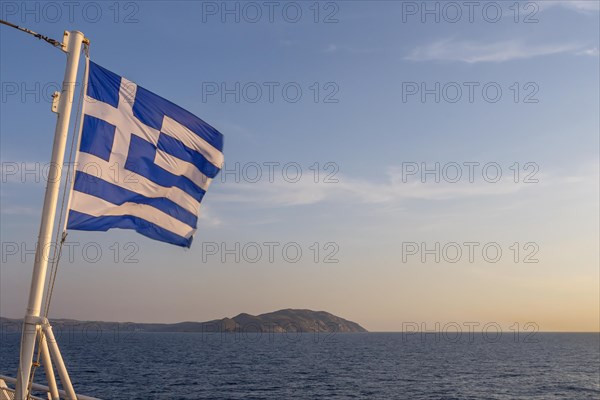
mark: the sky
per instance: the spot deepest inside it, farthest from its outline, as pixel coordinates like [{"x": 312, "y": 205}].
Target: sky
[{"x": 392, "y": 163}]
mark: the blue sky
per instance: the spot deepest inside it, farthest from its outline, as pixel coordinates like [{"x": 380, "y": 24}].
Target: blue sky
[{"x": 370, "y": 130}]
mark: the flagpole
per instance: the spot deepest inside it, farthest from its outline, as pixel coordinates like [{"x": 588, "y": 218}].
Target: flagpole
[{"x": 32, "y": 319}]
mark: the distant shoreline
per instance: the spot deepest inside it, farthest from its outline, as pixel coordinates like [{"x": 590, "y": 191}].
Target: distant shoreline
[
  {"x": 282, "y": 321},
  {"x": 225, "y": 325}
]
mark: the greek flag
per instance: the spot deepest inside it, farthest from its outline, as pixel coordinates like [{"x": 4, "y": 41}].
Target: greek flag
[{"x": 143, "y": 163}]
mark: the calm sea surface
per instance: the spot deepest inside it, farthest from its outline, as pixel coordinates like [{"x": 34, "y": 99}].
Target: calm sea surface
[{"x": 146, "y": 366}]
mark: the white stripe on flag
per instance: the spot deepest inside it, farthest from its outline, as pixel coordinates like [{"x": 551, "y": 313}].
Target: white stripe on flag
[
  {"x": 182, "y": 168},
  {"x": 117, "y": 175},
  {"x": 97, "y": 207},
  {"x": 192, "y": 140}
]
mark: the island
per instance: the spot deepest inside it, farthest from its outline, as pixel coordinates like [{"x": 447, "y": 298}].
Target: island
[{"x": 282, "y": 321}]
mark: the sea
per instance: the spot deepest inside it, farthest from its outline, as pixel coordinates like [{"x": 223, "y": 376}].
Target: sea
[{"x": 129, "y": 365}]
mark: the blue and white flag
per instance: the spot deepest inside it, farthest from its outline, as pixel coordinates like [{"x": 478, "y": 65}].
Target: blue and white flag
[{"x": 143, "y": 162}]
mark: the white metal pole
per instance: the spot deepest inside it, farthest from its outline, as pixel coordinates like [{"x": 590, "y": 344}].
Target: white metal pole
[
  {"x": 47, "y": 361},
  {"x": 65, "y": 380},
  {"x": 40, "y": 266}
]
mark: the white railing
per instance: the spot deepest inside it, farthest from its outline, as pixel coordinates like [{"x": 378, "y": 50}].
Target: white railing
[{"x": 8, "y": 394}]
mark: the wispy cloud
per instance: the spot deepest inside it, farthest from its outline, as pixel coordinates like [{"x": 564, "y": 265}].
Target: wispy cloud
[
  {"x": 477, "y": 52},
  {"x": 333, "y": 48},
  {"x": 358, "y": 191},
  {"x": 585, "y": 6},
  {"x": 592, "y": 52},
  {"x": 208, "y": 217}
]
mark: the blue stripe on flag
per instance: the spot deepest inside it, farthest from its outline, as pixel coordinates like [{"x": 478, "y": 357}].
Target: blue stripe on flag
[
  {"x": 176, "y": 148},
  {"x": 140, "y": 160},
  {"x": 114, "y": 194},
  {"x": 85, "y": 222},
  {"x": 151, "y": 109}
]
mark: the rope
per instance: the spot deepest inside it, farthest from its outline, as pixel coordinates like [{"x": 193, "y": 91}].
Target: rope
[
  {"x": 53, "y": 42},
  {"x": 36, "y": 363}
]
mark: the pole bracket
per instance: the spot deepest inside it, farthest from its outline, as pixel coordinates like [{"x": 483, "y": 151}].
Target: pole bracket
[
  {"x": 64, "y": 46},
  {"x": 31, "y": 320},
  {"x": 55, "y": 101}
]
